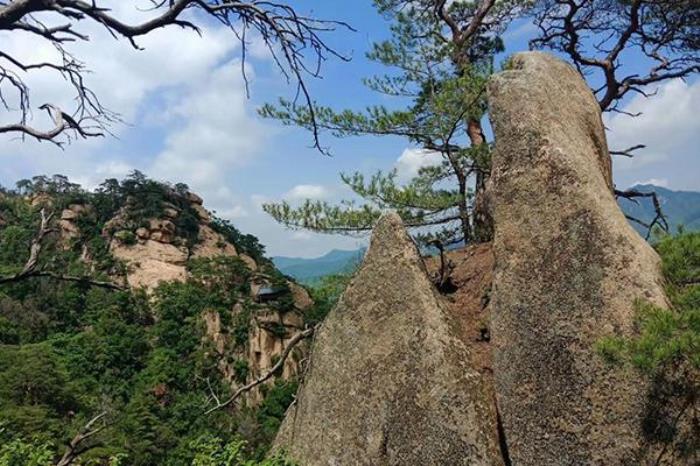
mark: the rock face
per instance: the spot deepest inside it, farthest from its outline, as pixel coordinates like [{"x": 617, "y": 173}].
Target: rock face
[
  {"x": 157, "y": 253},
  {"x": 268, "y": 336},
  {"x": 389, "y": 381},
  {"x": 568, "y": 270}
]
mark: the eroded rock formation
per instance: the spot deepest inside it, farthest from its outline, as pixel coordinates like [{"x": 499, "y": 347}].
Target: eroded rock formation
[
  {"x": 153, "y": 250},
  {"x": 389, "y": 380},
  {"x": 568, "y": 270}
]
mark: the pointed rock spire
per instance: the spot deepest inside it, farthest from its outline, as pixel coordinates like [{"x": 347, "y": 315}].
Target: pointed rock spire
[{"x": 388, "y": 380}]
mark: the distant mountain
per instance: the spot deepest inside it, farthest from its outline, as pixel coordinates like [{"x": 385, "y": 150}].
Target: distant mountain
[
  {"x": 679, "y": 207},
  {"x": 309, "y": 271}
]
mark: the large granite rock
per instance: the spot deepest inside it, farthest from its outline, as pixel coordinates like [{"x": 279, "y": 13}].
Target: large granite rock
[
  {"x": 389, "y": 381},
  {"x": 568, "y": 270}
]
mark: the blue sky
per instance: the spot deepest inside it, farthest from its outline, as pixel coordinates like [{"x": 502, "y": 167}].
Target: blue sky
[{"x": 190, "y": 121}]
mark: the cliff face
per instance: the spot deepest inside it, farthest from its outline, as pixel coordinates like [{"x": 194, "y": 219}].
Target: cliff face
[
  {"x": 154, "y": 250},
  {"x": 390, "y": 380},
  {"x": 502, "y": 370},
  {"x": 568, "y": 269}
]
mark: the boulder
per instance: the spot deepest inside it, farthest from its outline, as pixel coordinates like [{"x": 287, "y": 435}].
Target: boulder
[
  {"x": 568, "y": 270},
  {"x": 143, "y": 233},
  {"x": 69, "y": 214},
  {"x": 194, "y": 198},
  {"x": 151, "y": 262},
  {"x": 170, "y": 213},
  {"x": 202, "y": 213},
  {"x": 388, "y": 381},
  {"x": 212, "y": 244},
  {"x": 301, "y": 297},
  {"x": 163, "y": 225}
]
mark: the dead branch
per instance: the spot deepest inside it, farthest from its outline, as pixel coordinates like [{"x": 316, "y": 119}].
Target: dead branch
[
  {"x": 31, "y": 267},
  {"x": 659, "y": 218},
  {"x": 74, "y": 448},
  {"x": 629, "y": 151},
  {"x": 443, "y": 277},
  {"x": 294, "y": 41},
  {"x": 296, "y": 339},
  {"x": 662, "y": 31}
]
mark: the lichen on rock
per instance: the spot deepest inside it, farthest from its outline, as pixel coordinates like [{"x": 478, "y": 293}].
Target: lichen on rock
[
  {"x": 389, "y": 380},
  {"x": 568, "y": 270}
]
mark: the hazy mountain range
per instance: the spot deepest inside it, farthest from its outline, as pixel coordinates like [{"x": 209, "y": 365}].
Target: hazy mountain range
[
  {"x": 681, "y": 208},
  {"x": 309, "y": 271}
]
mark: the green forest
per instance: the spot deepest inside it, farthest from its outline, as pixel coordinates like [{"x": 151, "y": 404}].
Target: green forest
[
  {"x": 138, "y": 363},
  {"x": 349, "y": 232}
]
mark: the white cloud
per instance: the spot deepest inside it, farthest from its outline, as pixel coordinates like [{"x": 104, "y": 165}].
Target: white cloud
[
  {"x": 173, "y": 63},
  {"x": 211, "y": 132},
  {"x": 306, "y": 191},
  {"x": 669, "y": 127},
  {"x": 119, "y": 74},
  {"x": 661, "y": 182},
  {"x": 412, "y": 160}
]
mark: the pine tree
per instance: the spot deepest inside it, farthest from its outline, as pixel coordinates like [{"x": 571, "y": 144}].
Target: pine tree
[{"x": 440, "y": 57}]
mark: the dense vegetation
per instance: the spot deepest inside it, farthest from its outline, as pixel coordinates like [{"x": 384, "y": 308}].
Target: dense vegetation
[
  {"x": 666, "y": 349},
  {"x": 70, "y": 352}
]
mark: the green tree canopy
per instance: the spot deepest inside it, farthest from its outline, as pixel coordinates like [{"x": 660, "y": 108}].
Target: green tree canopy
[{"x": 438, "y": 60}]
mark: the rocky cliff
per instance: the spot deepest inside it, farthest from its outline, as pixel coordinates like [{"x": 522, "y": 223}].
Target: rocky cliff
[
  {"x": 163, "y": 245},
  {"x": 390, "y": 380},
  {"x": 568, "y": 268}
]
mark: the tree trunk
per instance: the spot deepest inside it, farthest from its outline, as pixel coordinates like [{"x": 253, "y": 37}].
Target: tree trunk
[
  {"x": 483, "y": 223},
  {"x": 464, "y": 209},
  {"x": 462, "y": 205}
]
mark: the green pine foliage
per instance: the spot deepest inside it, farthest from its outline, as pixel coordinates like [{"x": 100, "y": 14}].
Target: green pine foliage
[
  {"x": 667, "y": 337},
  {"x": 437, "y": 82}
]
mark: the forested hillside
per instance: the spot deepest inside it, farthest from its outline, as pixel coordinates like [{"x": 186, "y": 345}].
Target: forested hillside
[{"x": 134, "y": 369}]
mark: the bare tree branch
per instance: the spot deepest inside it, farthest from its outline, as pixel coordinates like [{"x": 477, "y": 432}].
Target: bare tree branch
[
  {"x": 294, "y": 41},
  {"x": 665, "y": 32},
  {"x": 627, "y": 152},
  {"x": 31, "y": 267},
  {"x": 296, "y": 339},
  {"x": 659, "y": 217},
  {"x": 74, "y": 448}
]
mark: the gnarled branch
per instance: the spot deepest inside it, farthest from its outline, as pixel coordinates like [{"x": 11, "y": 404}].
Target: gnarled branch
[
  {"x": 76, "y": 447},
  {"x": 659, "y": 217},
  {"x": 296, "y": 339},
  {"x": 31, "y": 268},
  {"x": 295, "y": 42}
]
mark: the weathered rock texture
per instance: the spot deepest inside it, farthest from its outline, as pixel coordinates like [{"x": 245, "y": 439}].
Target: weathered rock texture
[
  {"x": 568, "y": 270},
  {"x": 268, "y": 335},
  {"x": 158, "y": 254},
  {"x": 389, "y": 380}
]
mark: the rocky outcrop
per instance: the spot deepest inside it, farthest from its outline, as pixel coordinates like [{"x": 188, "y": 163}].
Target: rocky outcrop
[
  {"x": 269, "y": 332},
  {"x": 389, "y": 382},
  {"x": 68, "y": 223},
  {"x": 154, "y": 253},
  {"x": 150, "y": 262},
  {"x": 568, "y": 270}
]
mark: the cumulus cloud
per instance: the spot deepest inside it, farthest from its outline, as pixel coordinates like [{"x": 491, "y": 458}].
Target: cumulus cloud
[
  {"x": 669, "y": 127},
  {"x": 306, "y": 191},
  {"x": 412, "y": 160},
  {"x": 129, "y": 82},
  {"x": 212, "y": 131},
  {"x": 120, "y": 75}
]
